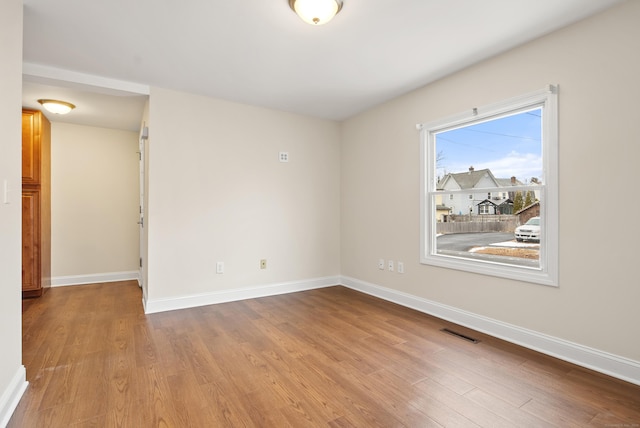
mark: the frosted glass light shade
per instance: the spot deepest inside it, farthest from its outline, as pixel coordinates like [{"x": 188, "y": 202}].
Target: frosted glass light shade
[
  {"x": 57, "y": 107},
  {"x": 316, "y": 12}
]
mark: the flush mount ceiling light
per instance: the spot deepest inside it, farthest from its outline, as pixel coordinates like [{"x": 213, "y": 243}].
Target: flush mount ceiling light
[
  {"x": 57, "y": 107},
  {"x": 316, "y": 12}
]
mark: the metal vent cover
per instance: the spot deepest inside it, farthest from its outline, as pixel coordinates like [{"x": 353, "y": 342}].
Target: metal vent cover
[{"x": 460, "y": 335}]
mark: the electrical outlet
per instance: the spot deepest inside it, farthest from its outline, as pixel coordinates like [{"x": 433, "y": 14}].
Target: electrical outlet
[
  {"x": 219, "y": 267},
  {"x": 263, "y": 264},
  {"x": 400, "y": 267},
  {"x": 283, "y": 156},
  {"x": 381, "y": 264},
  {"x": 390, "y": 266}
]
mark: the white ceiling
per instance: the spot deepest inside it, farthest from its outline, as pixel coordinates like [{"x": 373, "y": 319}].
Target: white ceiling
[
  {"x": 259, "y": 52},
  {"x": 95, "y": 106}
]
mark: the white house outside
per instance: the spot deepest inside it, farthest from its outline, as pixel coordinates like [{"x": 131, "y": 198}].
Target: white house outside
[{"x": 475, "y": 202}]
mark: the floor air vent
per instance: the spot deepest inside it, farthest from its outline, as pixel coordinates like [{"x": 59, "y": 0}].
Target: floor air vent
[{"x": 460, "y": 335}]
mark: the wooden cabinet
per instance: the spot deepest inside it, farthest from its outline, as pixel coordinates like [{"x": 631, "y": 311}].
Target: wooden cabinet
[
  {"x": 30, "y": 240},
  {"x": 36, "y": 203}
]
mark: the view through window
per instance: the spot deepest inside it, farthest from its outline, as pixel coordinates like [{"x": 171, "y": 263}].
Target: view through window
[
  {"x": 487, "y": 177},
  {"x": 500, "y": 162}
]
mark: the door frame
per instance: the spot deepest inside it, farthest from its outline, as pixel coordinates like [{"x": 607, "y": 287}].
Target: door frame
[{"x": 142, "y": 141}]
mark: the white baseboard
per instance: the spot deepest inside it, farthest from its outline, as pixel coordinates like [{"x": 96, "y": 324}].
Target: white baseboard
[
  {"x": 93, "y": 278},
  {"x": 184, "y": 302},
  {"x": 603, "y": 362},
  {"x": 12, "y": 395}
]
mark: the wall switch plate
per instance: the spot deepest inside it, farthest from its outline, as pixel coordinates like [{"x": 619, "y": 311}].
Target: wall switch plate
[
  {"x": 381, "y": 264},
  {"x": 390, "y": 265},
  {"x": 219, "y": 267},
  {"x": 400, "y": 267},
  {"x": 263, "y": 264}
]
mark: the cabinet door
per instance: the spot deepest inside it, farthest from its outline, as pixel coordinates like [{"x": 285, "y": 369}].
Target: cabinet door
[
  {"x": 30, "y": 147},
  {"x": 31, "y": 279}
]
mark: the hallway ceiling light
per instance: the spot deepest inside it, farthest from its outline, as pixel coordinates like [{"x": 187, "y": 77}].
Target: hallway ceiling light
[
  {"x": 57, "y": 107},
  {"x": 316, "y": 12}
]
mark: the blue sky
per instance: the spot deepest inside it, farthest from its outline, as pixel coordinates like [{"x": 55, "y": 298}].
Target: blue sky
[{"x": 509, "y": 146}]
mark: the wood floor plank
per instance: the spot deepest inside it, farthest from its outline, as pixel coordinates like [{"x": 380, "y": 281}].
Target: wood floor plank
[
  {"x": 94, "y": 384},
  {"x": 462, "y": 405},
  {"x": 396, "y": 394},
  {"x": 187, "y": 399},
  {"x": 325, "y": 357},
  {"x": 558, "y": 414},
  {"x": 362, "y": 405},
  {"x": 607, "y": 393},
  {"x": 513, "y": 414},
  {"x": 226, "y": 406},
  {"x": 471, "y": 370},
  {"x": 154, "y": 397},
  {"x": 447, "y": 377}
]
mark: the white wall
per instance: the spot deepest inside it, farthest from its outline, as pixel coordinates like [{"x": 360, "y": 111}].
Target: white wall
[
  {"x": 217, "y": 192},
  {"x": 597, "y": 66},
  {"x": 12, "y": 374},
  {"x": 94, "y": 201}
]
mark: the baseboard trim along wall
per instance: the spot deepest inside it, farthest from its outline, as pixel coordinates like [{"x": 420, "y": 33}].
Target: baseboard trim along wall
[
  {"x": 93, "y": 278},
  {"x": 12, "y": 395},
  {"x": 603, "y": 362},
  {"x": 183, "y": 302}
]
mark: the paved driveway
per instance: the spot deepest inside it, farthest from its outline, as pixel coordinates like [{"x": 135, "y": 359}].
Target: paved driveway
[
  {"x": 466, "y": 241},
  {"x": 459, "y": 244}
]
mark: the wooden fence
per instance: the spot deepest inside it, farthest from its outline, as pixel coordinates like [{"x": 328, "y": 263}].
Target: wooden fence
[{"x": 477, "y": 223}]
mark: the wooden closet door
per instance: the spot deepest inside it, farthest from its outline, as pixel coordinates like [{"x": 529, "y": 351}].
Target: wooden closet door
[
  {"x": 31, "y": 275},
  {"x": 31, "y": 136}
]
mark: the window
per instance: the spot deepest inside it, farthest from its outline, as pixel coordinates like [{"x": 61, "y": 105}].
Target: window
[{"x": 511, "y": 149}]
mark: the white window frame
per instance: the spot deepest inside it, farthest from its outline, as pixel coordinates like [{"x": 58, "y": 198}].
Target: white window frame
[{"x": 547, "y": 272}]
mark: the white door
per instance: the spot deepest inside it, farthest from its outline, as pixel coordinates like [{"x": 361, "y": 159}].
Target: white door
[{"x": 144, "y": 135}]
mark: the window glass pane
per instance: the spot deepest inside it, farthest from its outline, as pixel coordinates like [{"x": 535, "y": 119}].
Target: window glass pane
[
  {"x": 501, "y": 157},
  {"x": 488, "y": 238},
  {"x": 509, "y": 146}
]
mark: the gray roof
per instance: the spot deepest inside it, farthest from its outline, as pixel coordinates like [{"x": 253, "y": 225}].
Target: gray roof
[
  {"x": 469, "y": 179},
  {"x": 504, "y": 182},
  {"x": 487, "y": 202}
]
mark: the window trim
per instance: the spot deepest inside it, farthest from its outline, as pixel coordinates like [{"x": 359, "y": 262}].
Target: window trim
[{"x": 547, "y": 273}]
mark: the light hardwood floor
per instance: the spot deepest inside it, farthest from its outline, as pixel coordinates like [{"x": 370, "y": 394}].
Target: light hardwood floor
[{"x": 329, "y": 357}]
